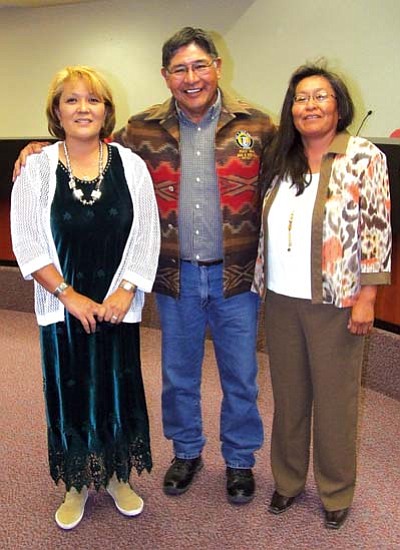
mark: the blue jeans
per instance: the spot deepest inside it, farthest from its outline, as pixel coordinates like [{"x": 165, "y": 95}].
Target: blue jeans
[{"x": 233, "y": 325}]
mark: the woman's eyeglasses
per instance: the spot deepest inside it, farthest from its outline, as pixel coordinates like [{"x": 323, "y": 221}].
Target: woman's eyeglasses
[{"x": 317, "y": 97}]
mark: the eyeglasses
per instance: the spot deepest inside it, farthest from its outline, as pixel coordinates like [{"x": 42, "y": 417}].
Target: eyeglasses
[
  {"x": 317, "y": 97},
  {"x": 199, "y": 68}
]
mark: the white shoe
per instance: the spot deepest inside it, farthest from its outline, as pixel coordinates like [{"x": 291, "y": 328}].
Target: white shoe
[
  {"x": 126, "y": 500},
  {"x": 72, "y": 509}
]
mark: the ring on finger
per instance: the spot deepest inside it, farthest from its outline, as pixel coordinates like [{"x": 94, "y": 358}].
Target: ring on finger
[{"x": 114, "y": 318}]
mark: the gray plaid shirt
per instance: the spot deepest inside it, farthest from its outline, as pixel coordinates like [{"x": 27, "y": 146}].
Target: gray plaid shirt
[{"x": 200, "y": 219}]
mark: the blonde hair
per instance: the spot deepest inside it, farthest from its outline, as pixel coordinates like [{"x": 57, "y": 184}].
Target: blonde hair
[{"x": 96, "y": 84}]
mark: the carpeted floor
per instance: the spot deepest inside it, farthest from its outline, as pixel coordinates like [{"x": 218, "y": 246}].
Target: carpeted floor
[{"x": 201, "y": 518}]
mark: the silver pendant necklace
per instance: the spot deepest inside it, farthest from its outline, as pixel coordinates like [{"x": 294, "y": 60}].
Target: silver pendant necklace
[
  {"x": 307, "y": 183},
  {"x": 78, "y": 193}
]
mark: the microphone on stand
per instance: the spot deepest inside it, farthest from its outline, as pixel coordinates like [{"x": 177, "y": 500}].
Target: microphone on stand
[{"x": 363, "y": 121}]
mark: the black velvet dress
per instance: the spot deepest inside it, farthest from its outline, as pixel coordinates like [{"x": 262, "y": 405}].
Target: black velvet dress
[{"x": 95, "y": 405}]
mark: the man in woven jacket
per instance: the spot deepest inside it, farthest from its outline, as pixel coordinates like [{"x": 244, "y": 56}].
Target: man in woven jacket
[{"x": 203, "y": 150}]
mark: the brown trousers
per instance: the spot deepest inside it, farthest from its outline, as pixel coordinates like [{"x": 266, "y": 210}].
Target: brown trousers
[{"x": 315, "y": 366}]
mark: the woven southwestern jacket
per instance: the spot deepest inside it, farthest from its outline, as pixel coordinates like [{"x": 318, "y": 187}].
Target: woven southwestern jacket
[
  {"x": 241, "y": 136},
  {"x": 351, "y": 233}
]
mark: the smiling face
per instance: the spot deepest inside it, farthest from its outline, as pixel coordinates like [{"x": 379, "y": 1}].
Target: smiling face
[
  {"x": 194, "y": 92},
  {"x": 81, "y": 112},
  {"x": 312, "y": 119}
]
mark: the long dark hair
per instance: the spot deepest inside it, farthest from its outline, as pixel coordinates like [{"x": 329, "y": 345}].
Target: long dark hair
[{"x": 285, "y": 158}]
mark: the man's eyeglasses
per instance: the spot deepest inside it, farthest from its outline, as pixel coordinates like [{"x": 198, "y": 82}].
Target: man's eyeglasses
[
  {"x": 199, "y": 68},
  {"x": 318, "y": 97}
]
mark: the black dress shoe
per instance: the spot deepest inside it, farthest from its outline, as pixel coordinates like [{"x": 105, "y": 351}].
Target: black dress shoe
[
  {"x": 240, "y": 485},
  {"x": 280, "y": 503},
  {"x": 335, "y": 519},
  {"x": 180, "y": 475}
]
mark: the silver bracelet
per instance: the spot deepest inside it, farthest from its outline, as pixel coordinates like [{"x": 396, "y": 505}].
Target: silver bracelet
[
  {"x": 62, "y": 287},
  {"x": 126, "y": 285}
]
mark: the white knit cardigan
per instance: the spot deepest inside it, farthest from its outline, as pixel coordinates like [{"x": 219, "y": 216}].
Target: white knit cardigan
[{"x": 34, "y": 247}]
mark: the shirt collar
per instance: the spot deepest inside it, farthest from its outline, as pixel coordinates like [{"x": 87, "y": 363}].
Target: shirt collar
[{"x": 339, "y": 143}]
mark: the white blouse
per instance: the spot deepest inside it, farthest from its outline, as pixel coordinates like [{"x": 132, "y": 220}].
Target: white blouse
[{"x": 289, "y": 240}]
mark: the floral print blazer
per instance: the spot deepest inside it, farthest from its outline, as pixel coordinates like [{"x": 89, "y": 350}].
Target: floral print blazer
[{"x": 351, "y": 233}]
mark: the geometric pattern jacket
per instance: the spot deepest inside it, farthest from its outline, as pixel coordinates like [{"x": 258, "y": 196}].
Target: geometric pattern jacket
[
  {"x": 351, "y": 232},
  {"x": 241, "y": 135}
]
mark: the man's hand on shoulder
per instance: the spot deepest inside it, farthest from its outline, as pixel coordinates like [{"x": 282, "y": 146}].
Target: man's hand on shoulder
[{"x": 31, "y": 148}]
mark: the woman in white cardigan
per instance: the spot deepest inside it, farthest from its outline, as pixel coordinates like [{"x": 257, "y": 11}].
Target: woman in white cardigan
[{"x": 85, "y": 227}]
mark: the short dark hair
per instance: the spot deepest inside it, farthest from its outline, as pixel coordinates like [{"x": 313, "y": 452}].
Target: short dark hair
[
  {"x": 286, "y": 156},
  {"x": 184, "y": 37}
]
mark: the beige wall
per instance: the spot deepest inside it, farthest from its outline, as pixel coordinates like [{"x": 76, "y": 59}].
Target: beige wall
[{"x": 261, "y": 41}]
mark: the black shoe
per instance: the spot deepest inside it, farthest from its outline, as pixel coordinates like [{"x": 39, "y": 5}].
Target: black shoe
[
  {"x": 335, "y": 519},
  {"x": 240, "y": 485},
  {"x": 279, "y": 503},
  {"x": 180, "y": 475}
]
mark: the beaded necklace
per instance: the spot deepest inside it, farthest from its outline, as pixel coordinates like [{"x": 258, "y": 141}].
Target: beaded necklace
[{"x": 78, "y": 193}]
